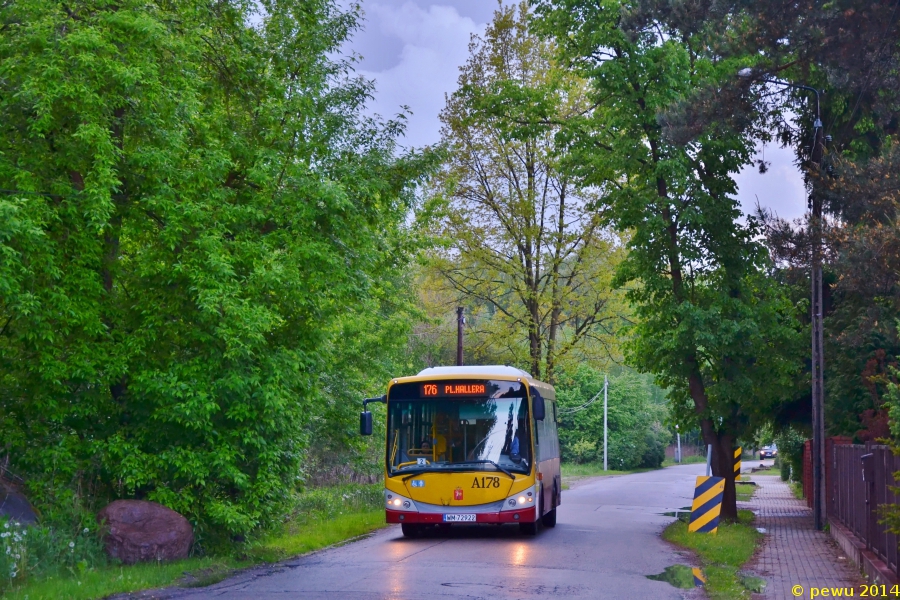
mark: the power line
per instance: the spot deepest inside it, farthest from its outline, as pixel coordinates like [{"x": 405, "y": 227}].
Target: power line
[{"x": 582, "y": 407}]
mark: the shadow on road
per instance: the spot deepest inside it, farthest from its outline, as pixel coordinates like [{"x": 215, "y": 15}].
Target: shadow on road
[{"x": 463, "y": 532}]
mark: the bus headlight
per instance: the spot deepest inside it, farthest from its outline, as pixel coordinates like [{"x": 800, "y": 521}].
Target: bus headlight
[
  {"x": 521, "y": 500},
  {"x": 394, "y": 501}
]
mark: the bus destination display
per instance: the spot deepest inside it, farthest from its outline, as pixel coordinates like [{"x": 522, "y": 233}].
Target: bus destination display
[{"x": 435, "y": 390}]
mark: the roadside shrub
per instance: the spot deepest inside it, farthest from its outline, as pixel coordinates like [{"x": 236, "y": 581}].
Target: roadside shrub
[
  {"x": 315, "y": 503},
  {"x": 890, "y": 512},
  {"x": 168, "y": 342},
  {"x": 635, "y": 411},
  {"x": 583, "y": 451},
  {"x": 656, "y": 440},
  {"x": 790, "y": 454},
  {"x": 39, "y": 551}
]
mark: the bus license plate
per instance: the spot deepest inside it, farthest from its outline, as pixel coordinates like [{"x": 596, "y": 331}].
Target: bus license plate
[{"x": 459, "y": 518}]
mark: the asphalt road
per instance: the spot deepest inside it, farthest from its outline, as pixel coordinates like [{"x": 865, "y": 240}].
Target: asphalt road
[{"x": 605, "y": 543}]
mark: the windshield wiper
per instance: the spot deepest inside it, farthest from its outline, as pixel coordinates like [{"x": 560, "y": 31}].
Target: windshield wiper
[
  {"x": 414, "y": 470},
  {"x": 487, "y": 462}
]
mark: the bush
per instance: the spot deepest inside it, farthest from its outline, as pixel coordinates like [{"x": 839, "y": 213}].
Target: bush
[
  {"x": 583, "y": 451},
  {"x": 37, "y": 551},
  {"x": 635, "y": 412},
  {"x": 169, "y": 319},
  {"x": 334, "y": 500},
  {"x": 656, "y": 440},
  {"x": 790, "y": 454}
]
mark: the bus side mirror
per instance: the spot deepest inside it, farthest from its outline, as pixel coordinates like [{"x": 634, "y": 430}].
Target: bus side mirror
[
  {"x": 365, "y": 417},
  {"x": 537, "y": 405}
]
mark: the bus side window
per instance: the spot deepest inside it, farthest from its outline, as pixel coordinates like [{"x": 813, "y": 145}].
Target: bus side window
[
  {"x": 555, "y": 433},
  {"x": 546, "y": 431},
  {"x": 551, "y": 440}
]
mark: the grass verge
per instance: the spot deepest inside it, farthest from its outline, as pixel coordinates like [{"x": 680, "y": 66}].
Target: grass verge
[
  {"x": 321, "y": 517},
  {"x": 593, "y": 470},
  {"x": 744, "y": 491},
  {"x": 573, "y": 473},
  {"x": 685, "y": 460},
  {"x": 104, "y": 581},
  {"x": 796, "y": 489},
  {"x": 721, "y": 555},
  {"x": 301, "y": 538}
]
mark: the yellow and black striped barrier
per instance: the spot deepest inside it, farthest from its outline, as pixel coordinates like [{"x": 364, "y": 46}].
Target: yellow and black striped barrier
[
  {"x": 707, "y": 504},
  {"x": 699, "y": 577},
  {"x": 737, "y": 463}
]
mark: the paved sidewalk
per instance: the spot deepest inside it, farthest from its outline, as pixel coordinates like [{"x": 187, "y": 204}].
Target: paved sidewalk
[{"x": 793, "y": 552}]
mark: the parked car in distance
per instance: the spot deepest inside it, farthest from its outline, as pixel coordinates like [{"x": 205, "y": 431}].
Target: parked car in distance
[{"x": 768, "y": 452}]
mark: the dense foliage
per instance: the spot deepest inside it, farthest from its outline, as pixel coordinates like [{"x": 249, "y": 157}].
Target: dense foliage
[
  {"x": 636, "y": 410},
  {"x": 790, "y": 453},
  {"x": 522, "y": 244},
  {"x": 712, "y": 327},
  {"x": 849, "y": 50},
  {"x": 205, "y": 245},
  {"x": 193, "y": 219}
]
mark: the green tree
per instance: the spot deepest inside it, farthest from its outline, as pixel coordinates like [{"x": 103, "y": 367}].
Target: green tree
[
  {"x": 190, "y": 202},
  {"x": 710, "y": 325},
  {"x": 849, "y": 50},
  {"x": 523, "y": 246},
  {"x": 636, "y": 437},
  {"x": 371, "y": 343}
]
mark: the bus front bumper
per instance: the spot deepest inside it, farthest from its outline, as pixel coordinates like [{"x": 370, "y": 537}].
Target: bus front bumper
[{"x": 525, "y": 515}]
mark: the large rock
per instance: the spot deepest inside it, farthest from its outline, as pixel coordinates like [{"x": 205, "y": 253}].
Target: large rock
[
  {"x": 137, "y": 531},
  {"x": 15, "y": 506}
]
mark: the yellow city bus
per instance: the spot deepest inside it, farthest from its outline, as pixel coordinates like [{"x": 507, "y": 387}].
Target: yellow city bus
[{"x": 469, "y": 445}]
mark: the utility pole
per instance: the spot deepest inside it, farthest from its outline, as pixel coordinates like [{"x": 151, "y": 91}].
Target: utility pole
[
  {"x": 460, "y": 321},
  {"x": 605, "y": 389},
  {"x": 818, "y": 354},
  {"x": 816, "y": 305},
  {"x": 678, "y": 449}
]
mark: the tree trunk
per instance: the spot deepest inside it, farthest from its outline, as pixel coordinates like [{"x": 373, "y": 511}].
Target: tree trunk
[
  {"x": 534, "y": 341},
  {"x": 722, "y": 466},
  {"x": 556, "y": 305}
]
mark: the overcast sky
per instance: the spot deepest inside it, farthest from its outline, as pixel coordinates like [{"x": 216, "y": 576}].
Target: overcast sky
[{"x": 413, "y": 49}]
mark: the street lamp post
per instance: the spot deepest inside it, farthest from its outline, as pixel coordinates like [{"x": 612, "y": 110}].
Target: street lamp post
[
  {"x": 605, "y": 429},
  {"x": 817, "y": 309},
  {"x": 460, "y": 323},
  {"x": 678, "y": 445}
]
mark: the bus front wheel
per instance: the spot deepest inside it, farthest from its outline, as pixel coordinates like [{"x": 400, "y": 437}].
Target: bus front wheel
[
  {"x": 549, "y": 520},
  {"x": 410, "y": 529}
]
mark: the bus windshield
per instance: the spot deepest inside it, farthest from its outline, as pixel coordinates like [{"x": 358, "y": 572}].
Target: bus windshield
[{"x": 456, "y": 433}]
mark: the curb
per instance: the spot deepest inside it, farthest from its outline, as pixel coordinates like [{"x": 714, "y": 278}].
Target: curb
[{"x": 873, "y": 567}]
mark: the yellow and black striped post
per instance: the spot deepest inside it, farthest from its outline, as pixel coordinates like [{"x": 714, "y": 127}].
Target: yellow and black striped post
[
  {"x": 707, "y": 504},
  {"x": 699, "y": 577},
  {"x": 737, "y": 463}
]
